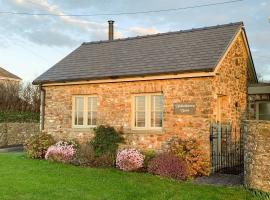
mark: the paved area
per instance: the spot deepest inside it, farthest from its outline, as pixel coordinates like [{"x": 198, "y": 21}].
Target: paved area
[
  {"x": 12, "y": 149},
  {"x": 221, "y": 179}
]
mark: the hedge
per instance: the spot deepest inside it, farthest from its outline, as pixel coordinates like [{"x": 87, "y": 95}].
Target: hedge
[{"x": 19, "y": 117}]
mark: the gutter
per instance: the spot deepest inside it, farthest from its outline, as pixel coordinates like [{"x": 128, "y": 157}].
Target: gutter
[{"x": 128, "y": 79}]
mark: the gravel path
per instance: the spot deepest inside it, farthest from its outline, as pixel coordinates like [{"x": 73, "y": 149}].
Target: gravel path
[
  {"x": 18, "y": 148},
  {"x": 221, "y": 179}
]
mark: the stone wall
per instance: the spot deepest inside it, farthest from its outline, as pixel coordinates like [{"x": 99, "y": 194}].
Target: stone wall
[
  {"x": 115, "y": 109},
  {"x": 16, "y": 133},
  {"x": 257, "y": 155},
  {"x": 231, "y": 84}
]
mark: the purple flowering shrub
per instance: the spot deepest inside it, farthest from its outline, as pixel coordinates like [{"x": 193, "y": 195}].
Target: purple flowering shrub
[
  {"x": 129, "y": 160},
  {"x": 168, "y": 165},
  {"x": 61, "y": 152}
]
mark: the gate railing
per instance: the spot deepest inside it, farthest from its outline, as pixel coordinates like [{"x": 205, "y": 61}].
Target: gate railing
[{"x": 227, "y": 151}]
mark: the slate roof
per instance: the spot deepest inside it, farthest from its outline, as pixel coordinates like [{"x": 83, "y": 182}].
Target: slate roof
[
  {"x": 166, "y": 53},
  {"x": 6, "y": 74}
]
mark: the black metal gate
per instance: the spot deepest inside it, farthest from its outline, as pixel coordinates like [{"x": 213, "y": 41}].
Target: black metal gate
[{"x": 227, "y": 151}]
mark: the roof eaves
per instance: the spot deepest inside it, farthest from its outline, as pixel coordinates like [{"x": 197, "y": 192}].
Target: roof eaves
[{"x": 36, "y": 82}]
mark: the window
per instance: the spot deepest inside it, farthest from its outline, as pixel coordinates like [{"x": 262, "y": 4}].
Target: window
[
  {"x": 84, "y": 111},
  {"x": 148, "y": 111},
  {"x": 263, "y": 110}
]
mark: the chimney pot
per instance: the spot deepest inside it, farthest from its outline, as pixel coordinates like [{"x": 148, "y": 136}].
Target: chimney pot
[{"x": 111, "y": 29}]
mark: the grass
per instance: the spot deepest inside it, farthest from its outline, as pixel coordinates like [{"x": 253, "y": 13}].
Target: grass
[{"x": 23, "y": 178}]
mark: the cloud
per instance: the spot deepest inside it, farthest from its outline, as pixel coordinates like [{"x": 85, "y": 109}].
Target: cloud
[
  {"x": 50, "y": 38},
  {"x": 50, "y": 30},
  {"x": 68, "y": 32},
  {"x": 143, "y": 31}
]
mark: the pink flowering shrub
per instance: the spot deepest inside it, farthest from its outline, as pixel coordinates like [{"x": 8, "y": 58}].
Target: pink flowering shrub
[
  {"x": 61, "y": 152},
  {"x": 129, "y": 160}
]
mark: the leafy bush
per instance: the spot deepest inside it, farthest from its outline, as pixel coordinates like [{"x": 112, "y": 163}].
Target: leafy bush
[
  {"x": 105, "y": 160},
  {"x": 86, "y": 156},
  {"x": 148, "y": 156},
  {"x": 19, "y": 117},
  {"x": 168, "y": 165},
  {"x": 191, "y": 151},
  {"x": 61, "y": 152},
  {"x": 37, "y": 145},
  {"x": 106, "y": 140},
  {"x": 129, "y": 160}
]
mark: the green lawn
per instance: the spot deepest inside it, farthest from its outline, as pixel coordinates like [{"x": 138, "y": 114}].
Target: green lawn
[{"x": 26, "y": 179}]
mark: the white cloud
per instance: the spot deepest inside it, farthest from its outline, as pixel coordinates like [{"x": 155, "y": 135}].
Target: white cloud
[{"x": 143, "y": 31}]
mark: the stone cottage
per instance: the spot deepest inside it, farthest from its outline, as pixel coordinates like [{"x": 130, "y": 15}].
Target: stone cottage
[
  {"x": 152, "y": 87},
  {"x": 7, "y": 77}
]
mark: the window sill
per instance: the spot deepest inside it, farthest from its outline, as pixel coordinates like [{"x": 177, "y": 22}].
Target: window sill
[
  {"x": 83, "y": 129},
  {"x": 147, "y": 131}
]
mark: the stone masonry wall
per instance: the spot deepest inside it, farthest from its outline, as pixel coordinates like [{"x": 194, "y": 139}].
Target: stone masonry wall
[
  {"x": 231, "y": 84},
  {"x": 257, "y": 155},
  {"x": 16, "y": 133},
  {"x": 115, "y": 104}
]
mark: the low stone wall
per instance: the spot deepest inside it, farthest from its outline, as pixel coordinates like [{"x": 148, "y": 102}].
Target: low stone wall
[
  {"x": 16, "y": 133},
  {"x": 257, "y": 155}
]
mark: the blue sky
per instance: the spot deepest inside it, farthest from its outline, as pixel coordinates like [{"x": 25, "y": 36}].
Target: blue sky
[{"x": 32, "y": 44}]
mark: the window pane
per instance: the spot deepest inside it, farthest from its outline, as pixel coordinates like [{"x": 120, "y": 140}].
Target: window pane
[
  {"x": 92, "y": 111},
  {"x": 264, "y": 111},
  {"x": 79, "y": 107},
  {"x": 156, "y": 111},
  {"x": 140, "y": 111}
]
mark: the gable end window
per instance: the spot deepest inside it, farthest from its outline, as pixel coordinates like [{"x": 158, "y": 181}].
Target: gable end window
[
  {"x": 84, "y": 111},
  {"x": 148, "y": 111}
]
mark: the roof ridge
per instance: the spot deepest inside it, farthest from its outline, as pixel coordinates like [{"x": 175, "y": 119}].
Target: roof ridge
[{"x": 166, "y": 33}]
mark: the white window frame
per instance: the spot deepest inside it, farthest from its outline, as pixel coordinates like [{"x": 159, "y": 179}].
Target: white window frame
[
  {"x": 148, "y": 106},
  {"x": 257, "y": 109},
  {"x": 85, "y": 111}
]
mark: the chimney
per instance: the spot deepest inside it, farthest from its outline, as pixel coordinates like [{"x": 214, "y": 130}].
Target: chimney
[{"x": 110, "y": 29}]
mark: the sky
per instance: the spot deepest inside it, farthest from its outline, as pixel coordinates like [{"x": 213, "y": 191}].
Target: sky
[{"x": 31, "y": 44}]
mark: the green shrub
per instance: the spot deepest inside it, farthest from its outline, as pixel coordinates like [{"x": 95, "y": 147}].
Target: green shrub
[
  {"x": 85, "y": 155},
  {"x": 106, "y": 140},
  {"x": 105, "y": 160},
  {"x": 149, "y": 155},
  {"x": 37, "y": 145},
  {"x": 19, "y": 117},
  {"x": 191, "y": 151}
]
